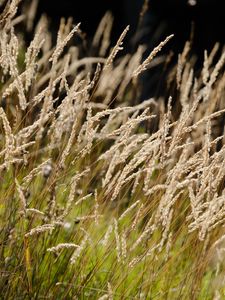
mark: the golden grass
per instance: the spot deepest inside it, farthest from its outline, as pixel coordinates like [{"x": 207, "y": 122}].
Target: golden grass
[{"x": 99, "y": 198}]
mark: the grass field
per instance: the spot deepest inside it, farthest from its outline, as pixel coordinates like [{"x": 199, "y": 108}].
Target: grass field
[{"x": 102, "y": 197}]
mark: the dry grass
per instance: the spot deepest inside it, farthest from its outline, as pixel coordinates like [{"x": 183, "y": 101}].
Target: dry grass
[{"x": 99, "y": 198}]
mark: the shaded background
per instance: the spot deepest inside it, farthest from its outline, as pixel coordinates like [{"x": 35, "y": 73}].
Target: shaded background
[
  {"x": 163, "y": 17},
  {"x": 202, "y": 21},
  {"x": 89, "y": 13}
]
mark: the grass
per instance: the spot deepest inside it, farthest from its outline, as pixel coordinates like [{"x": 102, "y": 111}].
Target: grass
[{"x": 100, "y": 198}]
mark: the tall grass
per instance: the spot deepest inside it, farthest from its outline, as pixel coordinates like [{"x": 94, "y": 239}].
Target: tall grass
[{"x": 99, "y": 198}]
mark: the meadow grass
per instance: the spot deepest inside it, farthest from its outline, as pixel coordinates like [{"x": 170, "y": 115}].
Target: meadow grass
[{"x": 101, "y": 198}]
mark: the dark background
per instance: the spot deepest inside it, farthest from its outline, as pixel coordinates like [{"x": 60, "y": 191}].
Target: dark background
[
  {"x": 89, "y": 13},
  {"x": 206, "y": 19},
  {"x": 203, "y": 22}
]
